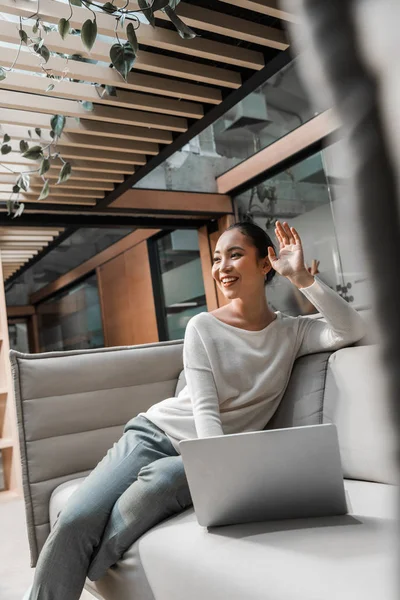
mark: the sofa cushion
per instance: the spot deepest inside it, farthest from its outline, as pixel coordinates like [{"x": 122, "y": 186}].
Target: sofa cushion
[
  {"x": 303, "y": 401},
  {"x": 304, "y": 559},
  {"x": 357, "y": 401}
]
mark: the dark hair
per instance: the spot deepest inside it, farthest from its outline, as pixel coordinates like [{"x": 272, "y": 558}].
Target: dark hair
[{"x": 260, "y": 240}]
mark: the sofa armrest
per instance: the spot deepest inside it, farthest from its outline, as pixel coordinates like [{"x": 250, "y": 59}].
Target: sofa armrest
[{"x": 72, "y": 407}]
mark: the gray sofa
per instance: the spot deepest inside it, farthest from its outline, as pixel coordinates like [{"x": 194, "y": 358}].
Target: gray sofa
[{"x": 72, "y": 407}]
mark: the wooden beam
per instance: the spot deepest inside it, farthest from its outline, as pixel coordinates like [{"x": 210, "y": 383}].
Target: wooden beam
[
  {"x": 125, "y": 243},
  {"x": 70, "y": 108},
  {"x": 30, "y": 230},
  {"x": 233, "y": 27},
  {"x": 165, "y": 39},
  {"x": 52, "y": 198},
  {"x": 314, "y": 130},
  {"x": 13, "y": 160},
  {"x": 94, "y": 128},
  {"x": 69, "y": 152},
  {"x": 37, "y": 182},
  {"x": 265, "y": 7},
  {"x": 78, "y": 140},
  {"x": 146, "y": 61},
  {"x": 76, "y": 174},
  {"x": 168, "y": 200},
  {"x": 206, "y": 265},
  {"x": 55, "y": 190},
  {"x": 20, "y": 311},
  {"x": 31, "y": 84}
]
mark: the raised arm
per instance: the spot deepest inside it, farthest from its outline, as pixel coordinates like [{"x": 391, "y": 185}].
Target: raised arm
[
  {"x": 201, "y": 385},
  {"x": 343, "y": 325}
]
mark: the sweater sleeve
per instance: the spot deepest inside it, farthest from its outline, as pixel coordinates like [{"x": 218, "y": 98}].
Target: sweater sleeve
[
  {"x": 201, "y": 385},
  {"x": 343, "y": 325}
]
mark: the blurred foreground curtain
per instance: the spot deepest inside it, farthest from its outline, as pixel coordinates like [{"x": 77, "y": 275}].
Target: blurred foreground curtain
[{"x": 350, "y": 60}]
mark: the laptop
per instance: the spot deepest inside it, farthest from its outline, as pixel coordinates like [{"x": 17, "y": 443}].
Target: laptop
[{"x": 265, "y": 475}]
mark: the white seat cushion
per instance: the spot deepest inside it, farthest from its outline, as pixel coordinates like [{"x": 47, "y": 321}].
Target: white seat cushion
[{"x": 330, "y": 558}]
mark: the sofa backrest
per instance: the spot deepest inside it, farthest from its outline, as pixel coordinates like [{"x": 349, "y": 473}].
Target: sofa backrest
[
  {"x": 347, "y": 388},
  {"x": 72, "y": 407}
]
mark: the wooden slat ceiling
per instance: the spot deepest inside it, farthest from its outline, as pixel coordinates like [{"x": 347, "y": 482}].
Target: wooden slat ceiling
[
  {"x": 18, "y": 246},
  {"x": 173, "y": 83}
]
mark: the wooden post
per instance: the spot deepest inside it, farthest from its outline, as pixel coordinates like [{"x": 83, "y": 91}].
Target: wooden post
[{"x": 8, "y": 422}]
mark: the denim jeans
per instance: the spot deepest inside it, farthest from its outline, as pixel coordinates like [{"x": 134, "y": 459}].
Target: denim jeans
[{"x": 140, "y": 482}]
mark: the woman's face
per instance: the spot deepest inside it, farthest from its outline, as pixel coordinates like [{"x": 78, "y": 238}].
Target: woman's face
[{"x": 238, "y": 271}]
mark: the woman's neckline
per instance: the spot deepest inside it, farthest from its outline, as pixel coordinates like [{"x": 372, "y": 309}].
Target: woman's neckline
[{"x": 254, "y": 331}]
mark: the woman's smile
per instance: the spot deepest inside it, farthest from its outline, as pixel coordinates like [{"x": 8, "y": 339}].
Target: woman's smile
[{"x": 228, "y": 280}]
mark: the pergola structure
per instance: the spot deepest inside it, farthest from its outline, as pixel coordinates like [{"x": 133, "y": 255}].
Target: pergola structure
[{"x": 175, "y": 90}]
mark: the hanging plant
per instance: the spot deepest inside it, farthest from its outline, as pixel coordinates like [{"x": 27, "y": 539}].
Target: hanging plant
[{"x": 122, "y": 56}]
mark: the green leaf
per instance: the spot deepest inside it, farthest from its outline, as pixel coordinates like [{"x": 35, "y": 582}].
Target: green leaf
[
  {"x": 38, "y": 131},
  {"x": 23, "y": 181},
  {"x": 5, "y": 149},
  {"x": 184, "y": 31},
  {"x": 122, "y": 57},
  {"x": 19, "y": 210},
  {"x": 147, "y": 11},
  {"x": 64, "y": 173},
  {"x": 52, "y": 134},
  {"x": 109, "y": 8},
  {"x": 76, "y": 2},
  {"x": 132, "y": 39},
  {"x": 23, "y": 146},
  {"x": 57, "y": 124},
  {"x": 6, "y": 138},
  {"x": 2, "y": 74},
  {"x": 87, "y": 105},
  {"x": 23, "y": 36},
  {"x": 50, "y": 87},
  {"x": 16, "y": 189},
  {"x": 63, "y": 27},
  {"x": 159, "y": 5},
  {"x": 35, "y": 28},
  {"x": 33, "y": 153},
  {"x": 29, "y": 133},
  {"x": 89, "y": 34},
  {"x": 45, "y": 190},
  {"x": 44, "y": 53},
  {"x": 44, "y": 166},
  {"x": 111, "y": 90}
]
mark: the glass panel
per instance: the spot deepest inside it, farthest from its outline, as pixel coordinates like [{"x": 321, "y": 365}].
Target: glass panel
[
  {"x": 182, "y": 280},
  {"x": 349, "y": 234},
  {"x": 18, "y": 335},
  {"x": 301, "y": 196},
  {"x": 275, "y": 109},
  {"x": 72, "y": 320}
]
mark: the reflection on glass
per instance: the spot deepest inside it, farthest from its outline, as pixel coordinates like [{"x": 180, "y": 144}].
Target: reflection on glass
[
  {"x": 275, "y": 109},
  {"x": 301, "y": 196},
  {"x": 18, "y": 335},
  {"x": 71, "y": 320},
  {"x": 182, "y": 280}
]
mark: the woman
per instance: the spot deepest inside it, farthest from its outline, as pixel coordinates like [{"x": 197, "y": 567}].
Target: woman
[{"x": 238, "y": 361}]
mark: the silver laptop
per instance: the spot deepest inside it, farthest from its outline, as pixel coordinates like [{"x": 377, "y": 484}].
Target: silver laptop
[{"x": 265, "y": 475}]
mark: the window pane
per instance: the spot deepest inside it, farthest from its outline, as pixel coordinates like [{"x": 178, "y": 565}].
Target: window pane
[
  {"x": 18, "y": 336},
  {"x": 72, "y": 320},
  {"x": 301, "y": 196},
  {"x": 275, "y": 109},
  {"x": 182, "y": 280}
]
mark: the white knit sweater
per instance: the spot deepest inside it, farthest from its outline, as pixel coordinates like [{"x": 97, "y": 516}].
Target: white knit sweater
[{"x": 236, "y": 378}]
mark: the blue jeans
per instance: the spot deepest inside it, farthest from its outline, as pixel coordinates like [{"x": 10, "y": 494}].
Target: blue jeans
[{"x": 140, "y": 482}]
